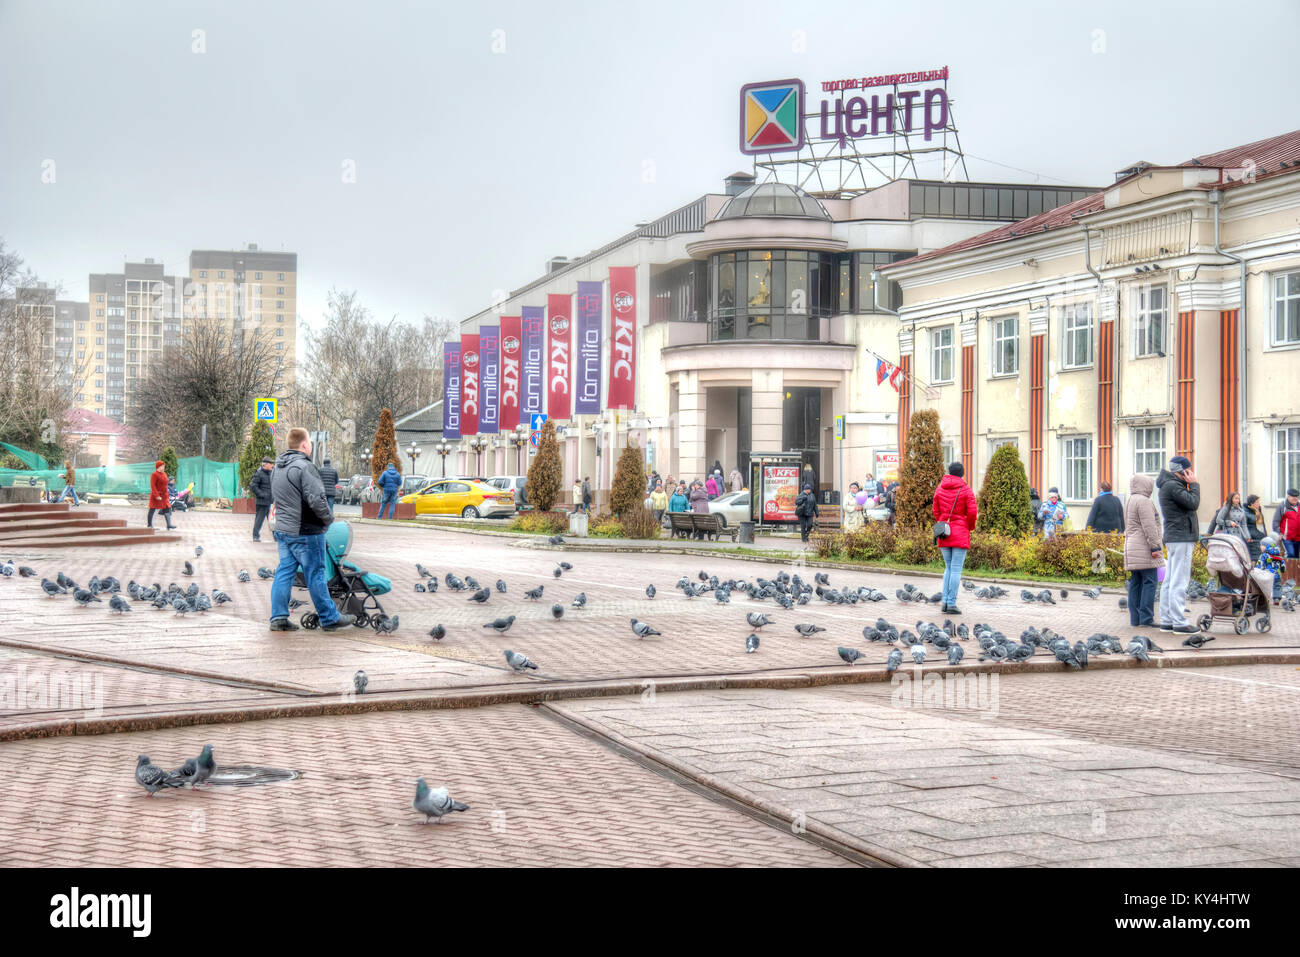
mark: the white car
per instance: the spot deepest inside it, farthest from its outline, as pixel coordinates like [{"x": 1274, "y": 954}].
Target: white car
[{"x": 732, "y": 506}]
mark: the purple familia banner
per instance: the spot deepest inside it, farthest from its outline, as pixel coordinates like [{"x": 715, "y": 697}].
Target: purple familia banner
[
  {"x": 534, "y": 323},
  {"x": 489, "y": 351},
  {"x": 586, "y": 394},
  {"x": 451, "y": 389}
]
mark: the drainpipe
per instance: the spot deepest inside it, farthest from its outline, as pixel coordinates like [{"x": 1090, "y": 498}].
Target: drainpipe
[
  {"x": 1216, "y": 197},
  {"x": 1116, "y": 346}
]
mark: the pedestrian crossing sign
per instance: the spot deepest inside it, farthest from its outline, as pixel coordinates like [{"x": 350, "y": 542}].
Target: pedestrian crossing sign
[{"x": 264, "y": 410}]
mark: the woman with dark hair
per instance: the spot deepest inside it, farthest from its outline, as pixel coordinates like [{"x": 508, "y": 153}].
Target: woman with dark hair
[
  {"x": 1255, "y": 526},
  {"x": 1107, "y": 513},
  {"x": 954, "y": 513},
  {"x": 1231, "y": 518}
]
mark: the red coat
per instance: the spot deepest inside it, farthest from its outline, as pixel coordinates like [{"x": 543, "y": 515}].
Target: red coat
[
  {"x": 158, "y": 490},
  {"x": 1290, "y": 526},
  {"x": 953, "y": 490}
]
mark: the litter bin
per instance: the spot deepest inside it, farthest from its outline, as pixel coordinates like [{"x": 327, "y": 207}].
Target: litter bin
[
  {"x": 578, "y": 524},
  {"x": 747, "y": 532}
]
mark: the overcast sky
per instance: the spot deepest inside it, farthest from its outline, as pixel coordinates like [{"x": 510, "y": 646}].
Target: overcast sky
[{"x": 474, "y": 165}]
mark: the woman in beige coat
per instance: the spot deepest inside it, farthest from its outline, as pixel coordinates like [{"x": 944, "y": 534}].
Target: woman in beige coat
[{"x": 1142, "y": 552}]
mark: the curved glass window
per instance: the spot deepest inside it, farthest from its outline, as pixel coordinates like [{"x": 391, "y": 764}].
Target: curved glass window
[{"x": 770, "y": 294}]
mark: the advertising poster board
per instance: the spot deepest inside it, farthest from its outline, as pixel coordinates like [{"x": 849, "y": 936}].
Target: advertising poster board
[
  {"x": 887, "y": 466},
  {"x": 780, "y": 489}
]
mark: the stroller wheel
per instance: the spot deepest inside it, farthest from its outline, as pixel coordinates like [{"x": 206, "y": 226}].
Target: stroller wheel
[
  {"x": 1263, "y": 624},
  {"x": 310, "y": 620},
  {"x": 377, "y": 620},
  {"x": 362, "y": 619},
  {"x": 1204, "y": 622},
  {"x": 1242, "y": 625}
]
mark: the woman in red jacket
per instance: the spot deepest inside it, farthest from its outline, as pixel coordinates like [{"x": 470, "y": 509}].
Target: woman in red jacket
[
  {"x": 954, "y": 503},
  {"x": 158, "y": 500}
]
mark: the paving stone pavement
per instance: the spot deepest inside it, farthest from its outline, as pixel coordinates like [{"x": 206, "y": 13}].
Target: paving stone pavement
[
  {"x": 1037, "y": 784},
  {"x": 539, "y": 795}
]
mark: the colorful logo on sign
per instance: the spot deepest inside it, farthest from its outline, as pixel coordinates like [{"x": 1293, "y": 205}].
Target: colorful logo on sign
[
  {"x": 559, "y": 325},
  {"x": 771, "y": 116}
]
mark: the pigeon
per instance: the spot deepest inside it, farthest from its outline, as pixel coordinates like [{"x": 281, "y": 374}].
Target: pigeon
[
  {"x": 1045, "y": 596},
  {"x": 359, "y": 681},
  {"x": 419, "y": 587},
  {"x": 1197, "y": 641},
  {"x": 160, "y": 601},
  {"x": 566, "y": 566},
  {"x": 387, "y": 625},
  {"x": 7, "y": 569},
  {"x": 219, "y": 597},
  {"x": 66, "y": 582},
  {"x": 895, "y": 659},
  {"x": 501, "y": 586},
  {"x": 202, "y": 603},
  {"x": 423, "y": 572},
  {"x": 580, "y": 600},
  {"x": 918, "y": 654},
  {"x": 153, "y": 778},
  {"x": 704, "y": 576},
  {"x": 438, "y": 632},
  {"x": 296, "y": 603},
  {"x": 955, "y": 653},
  {"x": 649, "y": 591},
  {"x": 436, "y": 802},
  {"x": 480, "y": 596},
  {"x": 119, "y": 604},
  {"x": 1137, "y": 649},
  {"x": 1092, "y": 593},
  {"x": 751, "y": 644},
  {"x": 1064, "y": 594},
  {"x": 84, "y": 597},
  {"x": 189, "y": 569},
  {"x": 849, "y": 655},
  {"x": 557, "y": 611},
  {"x": 180, "y": 605},
  {"x": 431, "y": 586},
  {"x": 26, "y": 571},
  {"x": 472, "y": 582},
  {"x": 198, "y": 770},
  {"x": 52, "y": 588},
  {"x": 757, "y": 619},
  {"x": 533, "y": 593},
  {"x": 555, "y": 540},
  {"x": 243, "y": 575},
  {"x": 808, "y": 630},
  {"x": 558, "y": 571},
  {"x": 1081, "y": 654},
  {"x": 501, "y": 625},
  {"x": 198, "y": 551},
  {"x": 642, "y": 630},
  {"x": 1148, "y": 644},
  {"x": 821, "y": 578},
  {"x": 519, "y": 662},
  {"x": 1027, "y": 596},
  {"x": 1123, "y": 603},
  {"x": 454, "y": 583},
  {"x": 92, "y": 586},
  {"x": 265, "y": 572}
]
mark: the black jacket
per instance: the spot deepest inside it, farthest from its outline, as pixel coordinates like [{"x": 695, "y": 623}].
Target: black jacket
[
  {"x": 329, "y": 477},
  {"x": 259, "y": 486},
  {"x": 805, "y": 506},
  {"x": 1107, "y": 514},
  {"x": 300, "y": 506},
  {"x": 1178, "y": 504}
]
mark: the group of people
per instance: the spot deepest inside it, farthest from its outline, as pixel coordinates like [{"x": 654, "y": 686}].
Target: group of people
[
  {"x": 673, "y": 495},
  {"x": 862, "y": 498}
]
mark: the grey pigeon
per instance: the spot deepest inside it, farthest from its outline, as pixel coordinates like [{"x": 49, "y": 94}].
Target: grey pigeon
[
  {"x": 66, "y": 582},
  {"x": 519, "y": 662},
  {"x": 555, "y": 540},
  {"x": 434, "y": 802},
  {"x": 580, "y": 600},
  {"x": 189, "y": 569},
  {"x": 198, "y": 551},
  {"x": 751, "y": 644},
  {"x": 1197, "y": 641},
  {"x": 83, "y": 597},
  {"x": 1045, "y": 596},
  {"x": 558, "y": 571},
  {"x": 422, "y": 571},
  {"x": 219, "y": 597},
  {"x": 849, "y": 655},
  {"x": 359, "y": 681},
  {"x": 480, "y": 596},
  {"x": 895, "y": 659},
  {"x": 642, "y": 630},
  {"x": 387, "y": 625},
  {"x": 1081, "y": 653},
  {"x": 1148, "y": 643},
  {"x": 265, "y": 572},
  {"x": 557, "y": 611},
  {"x": 52, "y": 588},
  {"x": 419, "y": 586},
  {"x": 808, "y": 630},
  {"x": 566, "y": 566},
  {"x": 472, "y": 582},
  {"x": 119, "y": 604},
  {"x": 1123, "y": 603},
  {"x": 243, "y": 576},
  {"x": 153, "y": 778},
  {"x": 180, "y": 605},
  {"x": 437, "y": 632},
  {"x": 955, "y": 653},
  {"x": 92, "y": 586},
  {"x": 649, "y": 591},
  {"x": 501, "y": 625},
  {"x": 757, "y": 619},
  {"x": 197, "y": 771},
  {"x": 501, "y": 585},
  {"x": 918, "y": 654},
  {"x": 202, "y": 603},
  {"x": 26, "y": 571},
  {"x": 296, "y": 603},
  {"x": 7, "y": 569},
  {"x": 1092, "y": 593},
  {"x": 1027, "y": 596},
  {"x": 1137, "y": 650},
  {"x": 534, "y": 593},
  {"x": 431, "y": 586},
  {"x": 1065, "y": 654}
]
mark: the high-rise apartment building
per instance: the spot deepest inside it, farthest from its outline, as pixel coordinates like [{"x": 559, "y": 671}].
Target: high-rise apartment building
[{"x": 132, "y": 316}]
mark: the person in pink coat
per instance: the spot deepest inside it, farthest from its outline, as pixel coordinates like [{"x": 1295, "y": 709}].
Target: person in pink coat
[{"x": 954, "y": 503}]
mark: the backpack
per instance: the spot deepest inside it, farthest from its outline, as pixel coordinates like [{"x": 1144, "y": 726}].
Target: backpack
[{"x": 803, "y": 505}]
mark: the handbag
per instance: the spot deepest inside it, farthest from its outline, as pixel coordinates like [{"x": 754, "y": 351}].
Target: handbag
[{"x": 943, "y": 529}]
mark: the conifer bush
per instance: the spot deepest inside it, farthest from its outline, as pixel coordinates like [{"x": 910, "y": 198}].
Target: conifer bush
[
  {"x": 546, "y": 473},
  {"x": 1004, "y": 497}
]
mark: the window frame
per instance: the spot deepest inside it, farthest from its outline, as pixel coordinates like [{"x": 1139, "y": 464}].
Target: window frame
[
  {"x": 1274, "y": 298},
  {"x": 1069, "y": 316},
  {"x": 995, "y": 350},
  {"x": 1161, "y": 458},
  {"x": 1142, "y": 313},
  {"x": 1069, "y": 461},
  {"x": 936, "y": 348},
  {"x": 1281, "y": 475}
]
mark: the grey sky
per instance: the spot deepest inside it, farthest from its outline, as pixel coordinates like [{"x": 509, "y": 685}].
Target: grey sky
[{"x": 473, "y": 167}]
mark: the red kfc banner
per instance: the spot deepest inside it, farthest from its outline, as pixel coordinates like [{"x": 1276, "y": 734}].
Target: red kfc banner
[
  {"x": 511, "y": 356},
  {"x": 622, "y": 337},
  {"x": 469, "y": 384},
  {"x": 559, "y": 346}
]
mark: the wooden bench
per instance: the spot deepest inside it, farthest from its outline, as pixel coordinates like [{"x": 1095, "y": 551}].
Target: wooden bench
[
  {"x": 828, "y": 516},
  {"x": 712, "y": 526},
  {"x": 681, "y": 524}
]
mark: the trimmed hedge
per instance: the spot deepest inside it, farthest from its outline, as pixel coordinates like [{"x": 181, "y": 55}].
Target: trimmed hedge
[{"x": 545, "y": 523}]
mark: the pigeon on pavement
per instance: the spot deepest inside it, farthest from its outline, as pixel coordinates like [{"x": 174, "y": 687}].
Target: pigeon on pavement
[
  {"x": 501, "y": 625},
  {"x": 265, "y": 572},
  {"x": 219, "y": 597},
  {"x": 1092, "y": 593},
  {"x": 751, "y": 644},
  {"x": 519, "y": 662},
  {"x": 580, "y": 600},
  {"x": 1197, "y": 641},
  {"x": 480, "y": 596},
  {"x": 808, "y": 630},
  {"x": 642, "y": 630},
  {"x": 1137, "y": 649},
  {"x": 84, "y": 597},
  {"x": 435, "y": 802},
  {"x": 26, "y": 571},
  {"x": 849, "y": 655},
  {"x": 153, "y": 778},
  {"x": 566, "y": 566},
  {"x": 534, "y": 593},
  {"x": 649, "y": 591},
  {"x": 422, "y": 571},
  {"x": 189, "y": 569},
  {"x": 894, "y": 660},
  {"x": 119, "y": 604},
  {"x": 198, "y": 770},
  {"x": 387, "y": 625},
  {"x": 66, "y": 582},
  {"x": 52, "y": 589},
  {"x": 555, "y": 540},
  {"x": 243, "y": 575},
  {"x": 557, "y": 611},
  {"x": 558, "y": 571},
  {"x": 359, "y": 681},
  {"x": 501, "y": 585},
  {"x": 918, "y": 654},
  {"x": 437, "y": 632},
  {"x": 419, "y": 587},
  {"x": 757, "y": 619},
  {"x": 955, "y": 654}
]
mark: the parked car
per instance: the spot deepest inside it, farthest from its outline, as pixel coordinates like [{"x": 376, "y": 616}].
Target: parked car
[
  {"x": 413, "y": 483},
  {"x": 514, "y": 483},
  {"x": 467, "y": 498},
  {"x": 732, "y": 506},
  {"x": 355, "y": 486},
  {"x": 341, "y": 490}
]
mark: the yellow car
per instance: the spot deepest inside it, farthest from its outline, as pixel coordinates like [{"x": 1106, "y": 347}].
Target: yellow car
[{"x": 464, "y": 497}]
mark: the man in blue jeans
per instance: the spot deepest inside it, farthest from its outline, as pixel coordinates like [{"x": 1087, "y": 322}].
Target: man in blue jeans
[
  {"x": 390, "y": 480},
  {"x": 301, "y": 516}
]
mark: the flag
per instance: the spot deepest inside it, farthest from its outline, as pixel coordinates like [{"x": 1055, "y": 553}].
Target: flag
[
  {"x": 622, "y": 338},
  {"x": 895, "y": 377},
  {"x": 559, "y": 338},
  {"x": 882, "y": 371}
]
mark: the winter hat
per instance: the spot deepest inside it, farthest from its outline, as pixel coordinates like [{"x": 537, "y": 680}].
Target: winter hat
[
  {"x": 1294, "y": 493},
  {"x": 267, "y": 461},
  {"x": 807, "y": 488},
  {"x": 1179, "y": 462},
  {"x": 159, "y": 464}
]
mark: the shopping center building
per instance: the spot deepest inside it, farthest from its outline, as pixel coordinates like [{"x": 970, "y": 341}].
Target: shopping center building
[{"x": 1158, "y": 316}]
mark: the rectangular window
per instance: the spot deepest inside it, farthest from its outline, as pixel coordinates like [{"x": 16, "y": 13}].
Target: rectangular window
[
  {"x": 1288, "y": 460},
  {"x": 1149, "y": 450},
  {"x": 941, "y": 354},
  {"x": 257, "y": 275},
  {"x": 221, "y": 274},
  {"x": 1076, "y": 344},
  {"x": 1006, "y": 346},
  {"x": 1286, "y": 309},
  {"x": 949, "y": 453},
  {"x": 279, "y": 290},
  {"x": 280, "y": 276},
  {"x": 1077, "y": 467},
  {"x": 279, "y": 318},
  {"x": 1149, "y": 321},
  {"x": 280, "y": 303},
  {"x": 203, "y": 274}
]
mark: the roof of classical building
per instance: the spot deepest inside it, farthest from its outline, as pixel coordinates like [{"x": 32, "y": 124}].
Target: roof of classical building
[
  {"x": 83, "y": 420},
  {"x": 1249, "y": 162},
  {"x": 773, "y": 199}
]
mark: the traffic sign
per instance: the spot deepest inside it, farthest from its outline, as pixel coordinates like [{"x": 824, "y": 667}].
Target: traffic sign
[
  {"x": 839, "y": 427},
  {"x": 539, "y": 420},
  {"x": 264, "y": 410},
  {"x": 535, "y": 440}
]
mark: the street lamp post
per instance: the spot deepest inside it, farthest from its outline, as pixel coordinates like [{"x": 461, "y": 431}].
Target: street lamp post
[
  {"x": 477, "y": 445},
  {"x": 442, "y": 448},
  {"x": 413, "y": 451},
  {"x": 519, "y": 439}
]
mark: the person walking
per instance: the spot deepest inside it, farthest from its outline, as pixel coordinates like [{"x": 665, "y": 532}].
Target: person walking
[
  {"x": 678, "y": 501},
  {"x": 158, "y": 499},
  {"x": 329, "y": 477},
  {"x": 871, "y": 487},
  {"x": 711, "y": 486},
  {"x": 390, "y": 481},
  {"x": 1290, "y": 532},
  {"x": 1291, "y": 504},
  {"x": 736, "y": 481},
  {"x": 852, "y": 510},
  {"x": 1180, "y": 496},
  {"x": 953, "y": 506},
  {"x": 586, "y": 494},
  {"x": 658, "y": 502},
  {"x": 301, "y": 516},
  {"x": 260, "y": 488},
  {"x": 805, "y": 507},
  {"x": 1053, "y": 513},
  {"x": 1231, "y": 518},
  {"x": 1142, "y": 554},
  {"x": 1254, "y": 525},
  {"x": 69, "y": 484},
  {"x": 1107, "y": 513}
]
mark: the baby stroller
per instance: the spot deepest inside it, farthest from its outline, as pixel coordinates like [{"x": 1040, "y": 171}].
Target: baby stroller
[
  {"x": 354, "y": 591},
  {"x": 1251, "y": 589}
]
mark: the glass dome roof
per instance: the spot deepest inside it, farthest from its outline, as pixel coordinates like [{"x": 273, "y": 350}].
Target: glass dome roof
[{"x": 773, "y": 199}]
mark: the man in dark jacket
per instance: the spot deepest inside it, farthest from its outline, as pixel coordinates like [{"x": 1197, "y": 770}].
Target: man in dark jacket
[
  {"x": 1107, "y": 513},
  {"x": 259, "y": 486},
  {"x": 805, "y": 506},
  {"x": 1180, "y": 496},
  {"x": 329, "y": 477},
  {"x": 390, "y": 480},
  {"x": 301, "y": 517}
]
